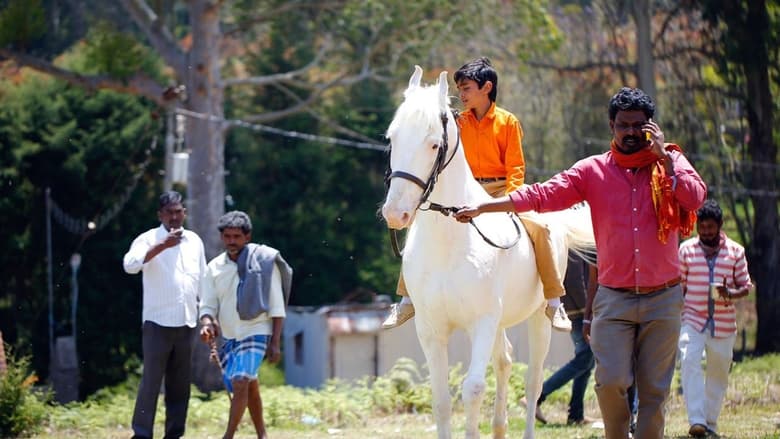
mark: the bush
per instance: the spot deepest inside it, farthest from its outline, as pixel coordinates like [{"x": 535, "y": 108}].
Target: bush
[{"x": 21, "y": 410}]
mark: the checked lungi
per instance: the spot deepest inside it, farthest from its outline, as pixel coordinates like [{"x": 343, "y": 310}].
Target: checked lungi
[{"x": 241, "y": 358}]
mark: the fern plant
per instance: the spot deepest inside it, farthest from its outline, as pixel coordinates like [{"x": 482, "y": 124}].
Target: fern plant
[{"x": 22, "y": 410}]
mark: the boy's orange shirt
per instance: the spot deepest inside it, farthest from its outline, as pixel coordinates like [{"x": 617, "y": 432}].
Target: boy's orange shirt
[{"x": 493, "y": 146}]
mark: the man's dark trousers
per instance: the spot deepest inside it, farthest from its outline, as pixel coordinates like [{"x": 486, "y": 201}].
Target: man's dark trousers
[{"x": 167, "y": 353}]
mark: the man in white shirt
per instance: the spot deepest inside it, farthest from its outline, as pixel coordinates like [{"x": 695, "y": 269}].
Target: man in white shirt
[
  {"x": 173, "y": 263},
  {"x": 244, "y": 297}
]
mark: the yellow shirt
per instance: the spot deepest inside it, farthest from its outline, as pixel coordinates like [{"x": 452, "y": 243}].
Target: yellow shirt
[{"x": 493, "y": 146}]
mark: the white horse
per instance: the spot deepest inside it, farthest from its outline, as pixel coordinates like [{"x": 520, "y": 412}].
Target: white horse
[{"x": 455, "y": 278}]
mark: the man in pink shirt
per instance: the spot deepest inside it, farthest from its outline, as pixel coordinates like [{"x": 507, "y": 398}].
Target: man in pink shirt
[
  {"x": 709, "y": 321},
  {"x": 642, "y": 194}
]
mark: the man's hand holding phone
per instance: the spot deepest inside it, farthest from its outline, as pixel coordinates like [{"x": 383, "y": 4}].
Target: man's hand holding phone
[
  {"x": 655, "y": 137},
  {"x": 174, "y": 238}
]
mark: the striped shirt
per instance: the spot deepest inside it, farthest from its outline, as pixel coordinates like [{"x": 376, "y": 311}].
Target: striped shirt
[
  {"x": 731, "y": 265},
  {"x": 171, "y": 280}
]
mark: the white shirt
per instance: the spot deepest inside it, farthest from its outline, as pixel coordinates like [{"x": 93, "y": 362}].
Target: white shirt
[
  {"x": 219, "y": 300},
  {"x": 172, "y": 279}
]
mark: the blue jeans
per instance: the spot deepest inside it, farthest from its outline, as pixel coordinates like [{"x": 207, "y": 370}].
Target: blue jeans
[{"x": 577, "y": 370}]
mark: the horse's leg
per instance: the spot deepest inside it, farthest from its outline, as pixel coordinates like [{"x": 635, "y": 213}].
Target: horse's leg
[
  {"x": 435, "y": 349},
  {"x": 539, "y": 334},
  {"x": 502, "y": 364},
  {"x": 483, "y": 336}
]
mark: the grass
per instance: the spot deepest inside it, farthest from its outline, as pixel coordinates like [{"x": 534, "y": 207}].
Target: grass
[{"x": 398, "y": 406}]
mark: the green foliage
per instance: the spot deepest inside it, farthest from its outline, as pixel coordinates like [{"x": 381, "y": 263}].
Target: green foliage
[
  {"x": 21, "y": 408},
  {"x": 21, "y": 23},
  {"x": 86, "y": 148},
  {"x": 116, "y": 53},
  {"x": 315, "y": 202},
  {"x": 270, "y": 375}
]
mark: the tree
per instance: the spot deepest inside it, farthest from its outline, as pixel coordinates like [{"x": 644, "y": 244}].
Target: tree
[
  {"x": 717, "y": 69},
  {"x": 211, "y": 48},
  {"x": 748, "y": 37},
  {"x": 93, "y": 151}
]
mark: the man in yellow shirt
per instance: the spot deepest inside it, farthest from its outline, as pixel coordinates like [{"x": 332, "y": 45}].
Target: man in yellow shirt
[{"x": 492, "y": 140}]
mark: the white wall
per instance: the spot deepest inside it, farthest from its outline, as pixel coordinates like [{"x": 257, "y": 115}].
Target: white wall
[
  {"x": 354, "y": 355},
  {"x": 402, "y": 342}
]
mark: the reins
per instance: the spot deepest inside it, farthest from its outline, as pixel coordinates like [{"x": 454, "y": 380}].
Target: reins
[
  {"x": 450, "y": 210},
  {"x": 427, "y": 186}
]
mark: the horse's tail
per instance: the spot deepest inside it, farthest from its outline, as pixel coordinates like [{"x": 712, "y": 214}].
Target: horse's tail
[{"x": 579, "y": 231}]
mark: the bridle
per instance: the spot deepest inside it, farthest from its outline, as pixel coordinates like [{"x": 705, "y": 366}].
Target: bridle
[{"x": 439, "y": 165}]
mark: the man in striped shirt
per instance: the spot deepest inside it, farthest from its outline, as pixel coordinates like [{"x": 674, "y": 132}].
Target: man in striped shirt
[{"x": 714, "y": 273}]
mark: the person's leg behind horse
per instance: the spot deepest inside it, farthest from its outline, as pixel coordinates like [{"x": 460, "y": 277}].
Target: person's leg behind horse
[
  {"x": 633, "y": 406},
  {"x": 613, "y": 333},
  {"x": 656, "y": 352},
  {"x": 584, "y": 362}
]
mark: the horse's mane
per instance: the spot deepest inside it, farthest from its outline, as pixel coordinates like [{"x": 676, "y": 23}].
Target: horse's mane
[{"x": 419, "y": 111}]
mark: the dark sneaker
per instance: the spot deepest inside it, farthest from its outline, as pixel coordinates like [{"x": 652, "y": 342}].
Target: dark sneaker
[
  {"x": 698, "y": 430},
  {"x": 586, "y": 420}
]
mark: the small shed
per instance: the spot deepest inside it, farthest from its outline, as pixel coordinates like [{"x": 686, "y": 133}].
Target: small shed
[{"x": 346, "y": 341}]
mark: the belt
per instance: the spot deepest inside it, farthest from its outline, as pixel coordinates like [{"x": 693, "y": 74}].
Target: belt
[
  {"x": 490, "y": 179},
  {"x": 645, "y": 290}
]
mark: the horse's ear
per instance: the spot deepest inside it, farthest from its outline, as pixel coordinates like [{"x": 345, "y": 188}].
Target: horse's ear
[
  {"x": 443, "y": 90},
  {"x": 414, "y": 81}
]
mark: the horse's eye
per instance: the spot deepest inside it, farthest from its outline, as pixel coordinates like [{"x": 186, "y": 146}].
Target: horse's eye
[{"x": 435, "y": 146}]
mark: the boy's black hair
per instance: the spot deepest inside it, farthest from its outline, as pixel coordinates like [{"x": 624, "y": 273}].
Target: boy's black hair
[
  {"x": 235, "y": 220},
  {"x": 631, "y": 99},
  {"x": 710, "y": 210},
  {"x": 168, "y": 197},
  {"x": 480, "y": 71}
]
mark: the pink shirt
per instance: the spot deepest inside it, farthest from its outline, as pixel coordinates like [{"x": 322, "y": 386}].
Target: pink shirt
[
  {"x": 624, "y": 221},
  {"x": 731, "y": 265}
]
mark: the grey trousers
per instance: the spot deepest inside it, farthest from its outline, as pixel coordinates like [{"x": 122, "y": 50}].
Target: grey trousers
[
  {"x": 167, "y": 353},
  {"x": 635, "y": 336}
]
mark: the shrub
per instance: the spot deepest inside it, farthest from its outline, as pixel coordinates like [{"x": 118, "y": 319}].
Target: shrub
[{"x": 21, "y": 409}]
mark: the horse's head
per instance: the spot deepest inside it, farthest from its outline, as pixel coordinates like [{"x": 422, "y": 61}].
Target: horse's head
[{"x": 418, "y": 147}]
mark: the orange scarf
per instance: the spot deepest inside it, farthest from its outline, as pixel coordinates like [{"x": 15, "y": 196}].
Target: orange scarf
[{"x": 668, "y": 212}]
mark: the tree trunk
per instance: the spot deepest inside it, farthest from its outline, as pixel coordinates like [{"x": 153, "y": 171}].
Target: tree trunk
[
  {"x": 206, "y": 139},
  {"x": 641, "y": 10},
  {"x": 765, "y": 248}
]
